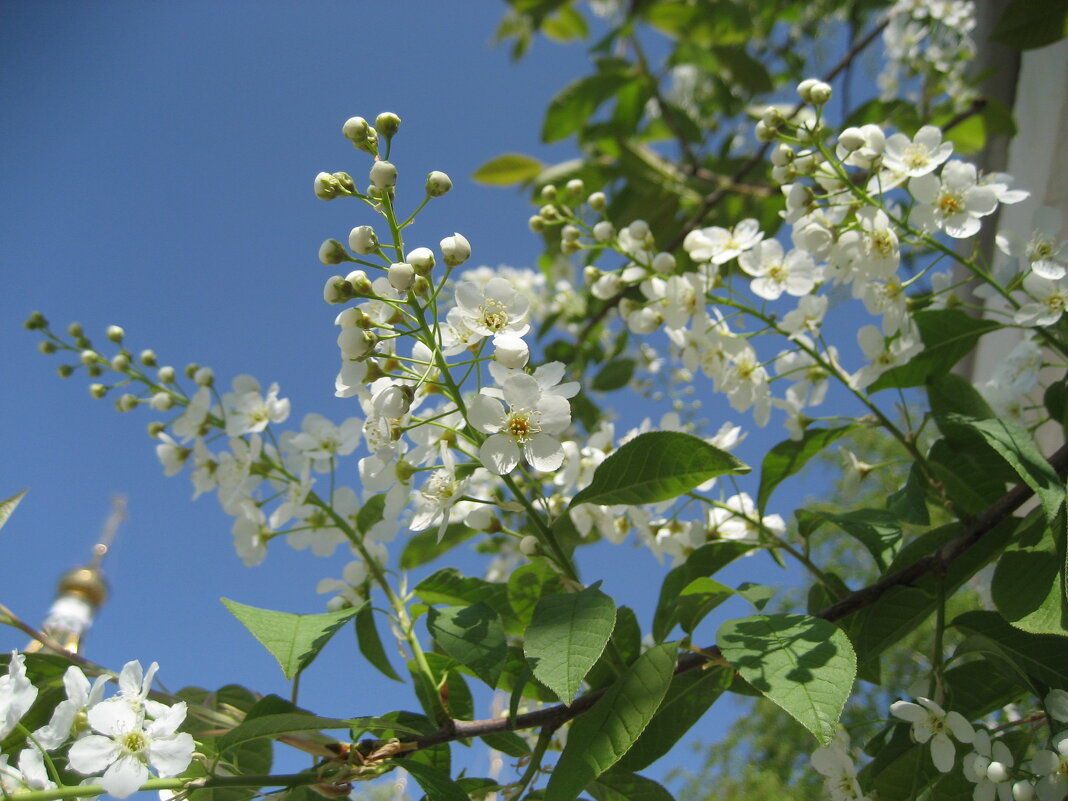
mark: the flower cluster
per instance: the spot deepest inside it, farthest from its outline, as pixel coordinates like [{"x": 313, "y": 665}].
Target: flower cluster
[{"x": 117, "y": 742}]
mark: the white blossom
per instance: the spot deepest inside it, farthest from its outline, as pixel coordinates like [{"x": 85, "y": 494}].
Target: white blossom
[{"x": 931, "y": 723}]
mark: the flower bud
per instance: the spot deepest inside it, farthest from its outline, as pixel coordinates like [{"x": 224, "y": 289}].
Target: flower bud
[
  {"x": 336, "y": 289},
  {"x": 126, "y": 403},
  {"x": 383, "y": 174},
  {"x": 764, "y": 133},
  {"x": 148, "y": 358},
  {"x": 401, "y": 275},
  {"x": 83, "y": 342},
  {"x": 47, "y": 347},
  {"x": 570, "y": 233},
  {"x": 204, "y": 377},
  {"x": 155, "y": 428},
  {"x": 455, "y": 250},
  {"x": 333, "y": 252},
  {"x": 89, "y": 357},
  {"x": 997, "y": 772},
  {"x": 393, "y": 401},
  {"x": 35, "y": 322},
  {"x": 115, "y": 333},
  {"x": 191, "y": 369},
  {"x": 356, "y": 130},
  {"x": 360, "y": 283},
  {"x": 569, "y": 246},
  {"x": 536, "y": 224},
  {"x": 75, "y": 329},
  {"x": 851, "y": 139},
  {"x": 511, "y": 351},
  {"x": 773, "y": 118},
  {"x": 438, "y": 184},
  {"x": 422, "y": 259},
  {"x": 548, "y": 193},
  {"x": 549, "y": 213},
  {"x": 166, "y": 374},
  {"x": 529, "y": 545},
  {"x": 820, "y": 93},
  {"x": 355, "y": 343},
  {"x": 65, "y": 370},
  {"x": 664, "y": 263},
  {"x": 98, "y": 390},
  {"x": 597, "y": 201},
  {"x": 162, "y": 401},
  {"x": 326, "y": 187},
  {"x": 119, "y": 362},
  {"x": 603, "y": 231},
  {"x": 344, "y": 181},
  {"x": 1023, "y": 791},
  {"x": 575, "y": 187},
  {"x": 363, "y": 240},
  {"x": 480, "y": 518},
  {"x": 421, "y": 287},
  {"x": 95, "y": 370},
  {"x": 782, "y": 154},
  {"x": 387, "y": 123}
]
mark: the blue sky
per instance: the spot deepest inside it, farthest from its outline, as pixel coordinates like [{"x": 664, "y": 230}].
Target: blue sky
[{"x": 157, "y": 168}]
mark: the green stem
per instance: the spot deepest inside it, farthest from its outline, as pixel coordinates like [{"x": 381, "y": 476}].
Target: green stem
[{"x": 534, "y": 766}]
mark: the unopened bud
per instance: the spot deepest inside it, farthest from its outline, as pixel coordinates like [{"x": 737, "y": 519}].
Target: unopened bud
[
  {"x": 356, "y": 130},
  {"x": 782, "y": 154},
  {"x": 95, "y": 370},
  {"x": 363, "y": 240},
  {"x": 422, "y": 259},
  {"x": 764, "y": 133},
  {"x": 119, "y": 362},
  {"x": 148, "y": 358},
  {"x": 387, "y": 123},
  {"x": 65, "y": 370},
  {"x": 360, "y": 283},
  {"x": 98, "y": 390},
  {"x": 421, "y": 287},
  {"x": 438, "y": 184},
  {"x": 511, "y": 351},
  {"x": 401, "y": 275},
  {"x": 529, "y": 545},
  {"x": 333, "y": 252},
  {"x": 204, "y": 377},
  {"x": 47, "y": 347},
  {"x": 603, "y": 231},
  {"x": 597, "y": 201},
  {"x": 326, "y": 187},
  {"x": 336, "y": 289},
  {"x": 570, "y": 233},
  {"x": 344, "y": 180},
  {"x": 35, "y": 322},
  {"x": 772, "y": 117},
  {"x": 455, "y": 250},
  {"x": 75, "y": 329},
  {"x": 126, "y": 403},
  {"x": 814, "y": 91},
  {"x": 548, "y": 193},
  {"x": 664, "y": 263},
  {"x": 575, "y": 187},
  {"x": 89, "y": 357},
  {"x": 166, "y": 374},
  {"x": 383, "y": 174},
  {"x": 393, "y": 401},
  {"x": 851, "y": 139},
  {"x": 355, "y": 343},
  {"x": 162, "y": 401},
  {"x": 115, "y": 333},
  {"x": 480, "y": 518},
  {"x": 155, "y": 428},
  {"x": 536, "y": 224}
]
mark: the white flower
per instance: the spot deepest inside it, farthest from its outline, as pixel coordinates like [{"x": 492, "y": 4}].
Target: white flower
[
  {"x": 932, "y": 723},
  {"x": 67, "y": 717},
  {"x": 1044, "y": 251},
  {"x": 834, "y": 763},
  {"x": 247, "y": 411},
  {"x": 29, "y": 775},
  {"x": 720, "y": 245},
  {"x": 528, "y": 427},
  {"x": 806, "y": 318},
  {"x": 17, "y": 694},
  {"x": 883, "y": 353},
  {"x": 494, "y": 309},
  {"x": 170, "y": 454},
  {"x": 955, "y": 203},
  {"x": 251, "y": 533},
  {"x": 128, "y": 744},
  {"x": 1057, "y": 705},
  {"x": 189, "y": 423},
  {"x": 1052, "y": 766},
  {"x": 437, "y": 496},
  {"x": 987, "y": 767},
  {"x": 1048, "y": 299},
  {"x": 918, "y": 156},
  {"x": 322, "y": 442},
  {"x": 774, "y": 274},
  {"x": 510, "y": 351}
]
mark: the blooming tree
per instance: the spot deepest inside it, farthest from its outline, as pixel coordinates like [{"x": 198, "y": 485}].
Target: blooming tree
[{"x": 481, "y": 404}]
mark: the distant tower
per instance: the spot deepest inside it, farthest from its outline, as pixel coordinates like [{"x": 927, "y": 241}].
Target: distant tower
[{"x": 81, "y": 591}]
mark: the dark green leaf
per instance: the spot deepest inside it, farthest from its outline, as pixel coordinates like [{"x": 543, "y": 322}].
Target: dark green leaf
[
  {"x": 656, "y": 466},
  {"x": 566, "y": 637},
  {"x": 972, "y": 474},
  {"x": 600, "y": 737},
  {"x": 473, "y": 636},
  {"x": 614, "y": 375},
  {"x": 804, "y": 664},
  {"x": 450, "y": 588},
  {"x": 909, "y": 504},
  {"x": 1028, "y": 582},
  {"x": 876, "y": 529},
  {"x": 615, "y": 786},
  {"x": 294, "y": 640},
  {"x": 697, "y": 599},
  {"x": 1030, "y": 24},
  {"x": 705, "y": 561},
  {"x": 371, "y": 644},
  {"x": 576, "y": 103},
  {"x": 437, "y": 784},
  {"x": 425, "y": 546},
  {"x": 508, "y": 743},
  {"x": 296, "y": 722},
  {"x": 789, "y": 456},
  {"x": 527, "y": 585},
  {"x": 370, "y": 513},
  {"x": 1042, "y": 657}
]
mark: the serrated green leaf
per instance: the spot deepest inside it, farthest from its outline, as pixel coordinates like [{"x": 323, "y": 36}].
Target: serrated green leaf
[
  {"x": 1028, "y": 582},
  {"x": 294, "y": 640},
  {"x": 697, "y": 599},
  {"x": 449, "y": 587},
  {"x": 8, "y": 506},
  {"x": 508, "y": 743},
  {"x": 973, "y": 475},
  {"x": 705, "y": 561},
  {"x": 527, "y": 585},
  {"x": 788, "y": 457},
  {"x": 876, "y": 529},
  {"x": 656, "y": 466},
  {"x": 425, "y": 546},
  {"x": 947, "y": 334},
  {"x": 909, "y": 504},
  {"x": 606, "y": 732},
  {"x": 508, "y": 169},
  {"x": 615, "y": 786},
  {"x": 804, "y": 664},
  {"x": 566, "y": 637},
  {"x": 371, "y": 643},
  {"x": 1042, "y": 657},
  {"x": 437, "y": 784},
  {"x": 473, "y": 636}
]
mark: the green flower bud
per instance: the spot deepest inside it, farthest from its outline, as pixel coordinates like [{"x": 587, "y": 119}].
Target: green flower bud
[
  {"x": 536, "y": 223},
  {"x": 126, "y": 403},
  {"x": 344, "y": 180},
  {"x": 75, "y": 329},
  {"x": 387, "y": 123},
  {"x": 333, "y": 252},
  {"x": 575, "y": 187},
  {"x": 597, "y": 201},
  {"x": 119, "y": 362},
  {"x": 166, "y": 374},
  {"x": 65, "y": 370},
  {"x": 204, "y": 377},
  {"x": 89, "y": 357},
  {"x": 155, "y": 428},
  {"x": 356, "y": 130},
  {"x": 422, "y": 259},
  {"x": 360, "y": 283},
  {"x": 191, "y": 369},
  {"x": 115, "y": 333},
  {"x": 337, "y": 290},
  {"x": 47, "y": 347},
  {"x": 548, "y": 193},
  {"x": 98, "y": 390},
  {"x": 95, "y": 370},
  {"x": 148, "y": 358},
  {"x": 35, "y": 322},
  {"x": 438, "y": 184}
]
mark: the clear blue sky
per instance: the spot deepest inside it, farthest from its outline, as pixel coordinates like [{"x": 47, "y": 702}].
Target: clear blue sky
[{"x": 156, "y": 168}]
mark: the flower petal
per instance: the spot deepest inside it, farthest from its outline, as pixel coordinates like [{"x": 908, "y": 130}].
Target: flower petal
[
  {"x": 499, "y": 454},
  {"x": 125, "y": 776}
]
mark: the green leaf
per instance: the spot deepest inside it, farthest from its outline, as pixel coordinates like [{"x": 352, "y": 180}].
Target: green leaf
[
  {"x": 626, "y": 641},
  {"x": 788, "y": 457},
  {"x": 566, "y": 25},
  {"x": 1042, "y": 657},
  {"x": 876, "y": 529},
  {"x": 424, "y": 546},
  {"x": 1016, "y": 446},
  {"x": 744, "y": 70},
  {"x": 294, "y": 640},
  {"x": 449, "y": 587},
  {"x": 697, "y": 599},
  {"x": 371, "y": 643},
  {"x": 627, "y": 787},
  {"x": 508, "y": 743},
  {"x": 705, "y": 561},
  {"x": 1029, "y": 24},
  {"x": 909, "y": 504},
  {"x": 688, "y": 698},
  {"x": 974, "y": 476},
  {"x": 473, "y": 636},
  {"x": 508, "y": 169},
  {"x": 1028, "y": 583},
  {"x": 614, "y": 375},
  {"x": 576, "y": 103},
  {"x": 370, "y": 513},
  {"x": 948, "y": 335},
  {"x": 803, "y": 664},
  {"x": 656, "y": 466},
  {"x": 437, "y": 784},
  {"x": 527, "y": 585},
  {"x": 949, "y": 393},
  {"x": 8, "y": 506},
  {"x": 600, "y": 737},
  {"x": 566, "y": 637}
]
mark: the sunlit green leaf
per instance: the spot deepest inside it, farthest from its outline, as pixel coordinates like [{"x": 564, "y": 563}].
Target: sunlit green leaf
[
  {"x": 473, "y": 636},
  {"x": 789, "y": 456},
  {"x": 508, "y": 169},
  {"x": 371, "y": 643}
]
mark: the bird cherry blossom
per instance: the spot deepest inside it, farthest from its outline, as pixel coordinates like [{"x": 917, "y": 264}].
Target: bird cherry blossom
[
  {"x": 527, "y": 428},
  {"x": 931, "y": 723}
]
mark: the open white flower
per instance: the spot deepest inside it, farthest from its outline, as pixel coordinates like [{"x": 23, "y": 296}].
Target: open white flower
[
  {"x": 67, "y": 718},
  {"x": 29, "y": 775},
  {"x": 953, "y": 204},
  {"x": 128, "y": 744},
  {"x": 931, "y": 723},
  {"x": 496, "y": 308},
  {"x": 527, "y": 428},
  {"x": 248, "y": 411},
  {"x": 773, "y": 273},
  {"x": 720, "y": 245},
  {"x": 17, "y": 694},
  {"x": 919, "y": 155},
  {"x": 987, "y": 766},
  {"x": 437, "y": 496}
]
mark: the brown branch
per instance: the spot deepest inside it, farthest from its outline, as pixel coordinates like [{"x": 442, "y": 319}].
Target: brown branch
[{"x": 938, "y": 560}]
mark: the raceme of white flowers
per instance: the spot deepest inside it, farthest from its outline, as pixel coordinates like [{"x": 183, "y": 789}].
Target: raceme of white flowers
[{"x": 118, "y": 742}]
